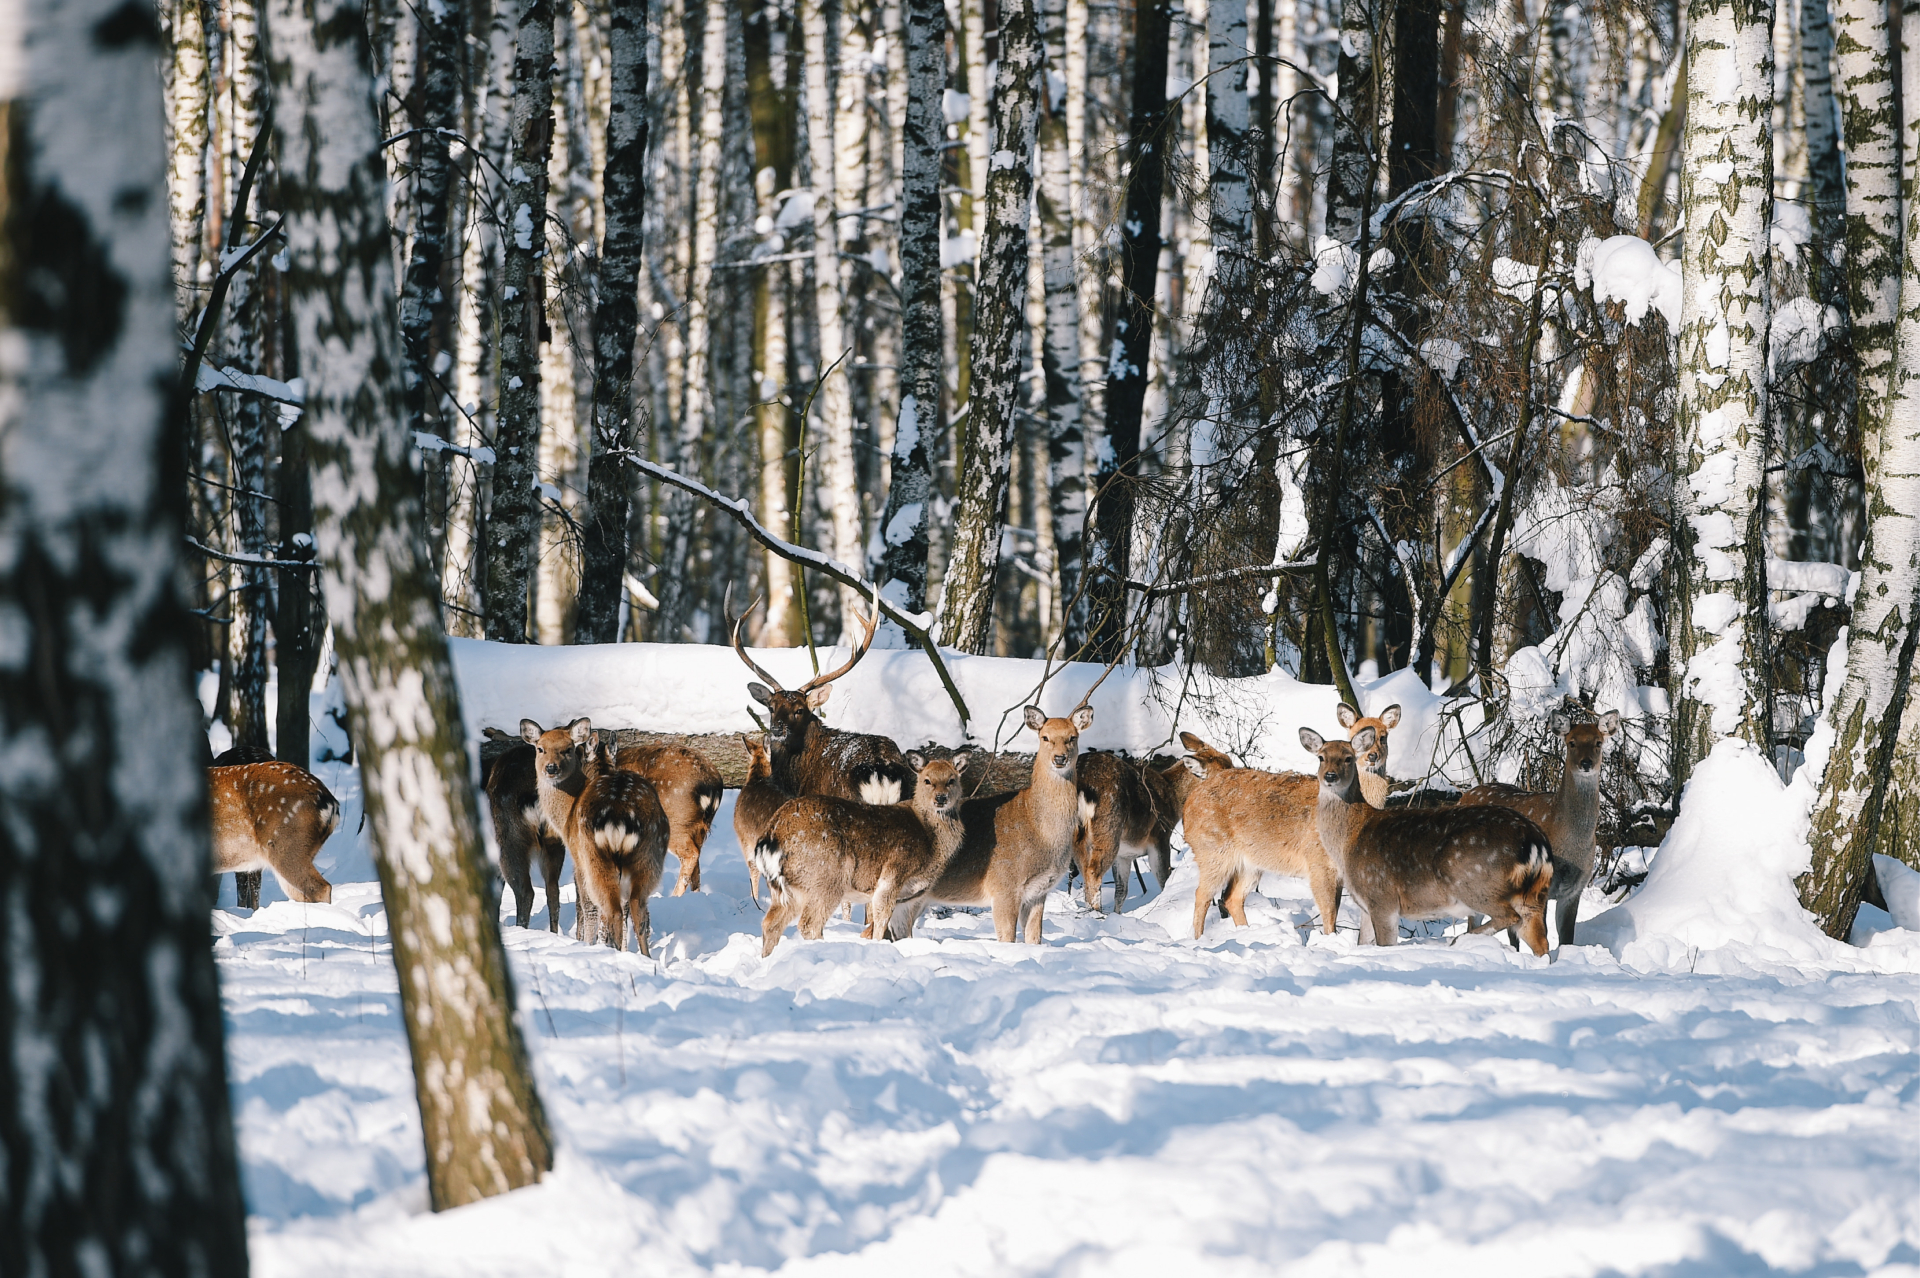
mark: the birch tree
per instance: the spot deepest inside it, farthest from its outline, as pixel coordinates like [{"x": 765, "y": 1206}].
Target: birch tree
[
  {"x": 966, "y": 601},
  {"x": 1870, "y": 796},
  {"x": 1726, "y": 195},
  {"x": 442, "y": 36},
  {"x": 513, "y": 525},
  {"x": 115, "y": 1124},
  {"x": 1824, "y": 170},
  {"x": 903, "y": 528},
  {"x": 484, "y": 1128},
  {"x": 1355, "y": 124},
  {"x": 1870, "y": 127},
  {"x": 616, "y": 317},
  {"x": 185, "y": 30}
]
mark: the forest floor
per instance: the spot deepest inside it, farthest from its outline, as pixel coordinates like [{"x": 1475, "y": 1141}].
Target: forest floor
[{"x": 1121, "y": 1099}]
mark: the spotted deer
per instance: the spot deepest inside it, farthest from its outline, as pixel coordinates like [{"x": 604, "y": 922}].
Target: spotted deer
[
  {"x": 274, "y": 816},
  {"x": 513, "y": 800},
  {"x": 819, "y": 852},
  {"x": 808, "y": 757},
  {"x": 1374, "y": 783},
  {"x": 1128, "y": 810},
  {"x": 1427, "y": 863},
  {"x": 690, "y": 790},
  {"x": 1569, "y": 815},
  {"x": 611, "y": 823},
  {"x": 755, "y": 805},
  {"x": 1016, "y": 845}
]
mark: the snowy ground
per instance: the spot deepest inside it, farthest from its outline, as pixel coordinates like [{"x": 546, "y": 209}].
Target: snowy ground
[{"x": 1120, "y": 1100}]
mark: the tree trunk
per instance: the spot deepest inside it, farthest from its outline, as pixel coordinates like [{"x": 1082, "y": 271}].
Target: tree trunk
[
  {"x": 966, "y": 601},
  {"x": 1060, "y": 356},
  {"x": 295, "y": 643},
  {"x": 903, "y": 529},
  {"x": 616, "y": 317},
  {"x": 1824, "y": 165},
  {"x": 1146, "y": 165},
  {"x": 1726, "y": 195},
  {"x": 484, "y": 1128},
  {"x": 443, "y": 34},
  {"x": 185, "y": 31},
  {"x": 114, "y": 1112},
  {"x": 1870, "y": 796},
  {"x": 1355, "y": 124},
  {"x": 513, "y": 524},
  {"x": 1863, "y": 65}
]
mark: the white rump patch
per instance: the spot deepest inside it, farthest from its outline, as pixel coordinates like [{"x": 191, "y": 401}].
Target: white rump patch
[
  {"x": 1086, "y": 812},
  {"x": 708, "y": 803},
  {"x": 880, "y": 791}
]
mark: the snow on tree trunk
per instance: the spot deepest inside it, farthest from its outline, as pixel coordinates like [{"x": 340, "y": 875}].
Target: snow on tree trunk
[
  {"x": 1726, "y": 195},
  {"x": 443, "y": 33},
  {"x": 185, "y": 30},
  {"x": 118, "y": 1141},
  {"x": 1060, "y": 357},
  {"x": 1148, "y": 143},
  {"x": 966, "y": 601},
  {"x": 1355, "y": 124},
  {"x": 1870, "y": 127},
  {"x": 513, "y": 523},
  {"x": 615, "y": 319},
  {"x": 903, "y": 527},
  {"x": 1824, "y": 169},
  {"x": 1870, "y": 795},
  {"x": 484, "y": 1129}
]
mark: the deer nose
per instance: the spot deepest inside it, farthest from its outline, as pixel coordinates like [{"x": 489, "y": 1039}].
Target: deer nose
[
  {"x": 1586, "y": 765},
  {"x": 553, "y": 769}
]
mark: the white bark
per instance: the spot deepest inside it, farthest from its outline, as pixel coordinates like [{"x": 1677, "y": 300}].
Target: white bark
[
  {"x": 1863, "y": 71},
  {"x": 1060, "y": 357},
  {"x": 187, "y": 103}
]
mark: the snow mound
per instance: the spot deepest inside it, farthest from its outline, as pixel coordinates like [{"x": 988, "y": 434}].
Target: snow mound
[
  {"x": 1900, "y": 885},
  {"x": 1723, "y": 879},
  {"x": 1625, "y": 269}
]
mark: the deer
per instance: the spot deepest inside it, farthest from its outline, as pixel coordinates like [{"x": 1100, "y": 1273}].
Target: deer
[
  {"x": 520, "y": 831},
  {"x": 273, "y": 816},
  {"x": 754, "y": 807},
  {"x": 1373, "y": 763},
  {"x": 1128, "y": 809},
  {"x": 689, "y": 790},
  {"x": 808, "y": 757},
  {"x": 820, "y": 852},
  {"x": 611, "y": 822},
  {"x": 1424, "y": 863},
  {"x": 1017, "y": 845},
  {"x": 1568, "y": 815},
  {"x": 246, "y": 883}
]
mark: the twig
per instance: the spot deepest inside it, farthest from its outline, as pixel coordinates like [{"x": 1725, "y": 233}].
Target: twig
[
  {"x": 254, "y": 561},
  {"x": 1227, "y": 574}
]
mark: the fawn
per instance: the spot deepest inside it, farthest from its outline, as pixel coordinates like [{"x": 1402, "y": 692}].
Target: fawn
[
  {"x": 274, "y": 816},
  {"x": 820, "y": 852},
  {"x": 513, "y": 798},
  {"x": 1406, "y": 863},
  {"x": 610, "y": 821},
  {"x": 754, "y": 807}
]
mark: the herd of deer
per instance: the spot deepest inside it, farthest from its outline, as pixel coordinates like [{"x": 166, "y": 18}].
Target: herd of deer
[{"x": 832, "y": 818}]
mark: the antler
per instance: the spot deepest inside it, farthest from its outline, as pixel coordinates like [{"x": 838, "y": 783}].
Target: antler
[
  {"x": 726, "y": 608},
  {"x": 871, "y": 623}
]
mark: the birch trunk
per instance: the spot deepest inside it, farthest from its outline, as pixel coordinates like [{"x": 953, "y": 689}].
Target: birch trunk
[
  {"x": 966, "y": 602},
  {"x": 484, "y": 1129},
  {"x": 616, "y": 318},
  {"x": 1870, "y": 796},
  {"x": 513, "y": 525},
  {"x": 1355, "y": 124},
  {"x": 443, "y": 33},
  {"x": 1060, "y": 355},
  {"x": 1824, "y": 168},
  {"x": 903, "y": 528},
  {"x": 114, "y": 1112},
  {"x": 1726, "y": 195},
  {"x": 1870, "y": 127},
  {"x": 1127, "y": 364},
  {"x": 185, "y": 29}
]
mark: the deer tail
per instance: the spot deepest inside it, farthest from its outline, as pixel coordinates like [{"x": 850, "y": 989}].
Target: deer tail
[{"x": 769, "y": 859}]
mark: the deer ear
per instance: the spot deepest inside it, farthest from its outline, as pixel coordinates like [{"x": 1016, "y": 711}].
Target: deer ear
[
  {"x": 1365, "y": 739},
  {"x": 1083, "y": 718},
  {"x": 758, "y": 691},
  {"x": 1610, "y": 722},
  {"x": 1557, "y": 724},
  {"x": 1192, "y": 742},
  {"x": 1390, "y": 717},
  {"x": 1312, "y": 740},
  {"x": 915, "y": 760},
  {"x": 529, "y": 731},
  {"x": 1347, "y": 715},
  {"x": 581, "y": 730},
  {"x": 960, "y": 762},
  {"x": 1196, "y": 766},
  {"x": 818, "y": 697},
  {"x": 1034, "y": 718}
]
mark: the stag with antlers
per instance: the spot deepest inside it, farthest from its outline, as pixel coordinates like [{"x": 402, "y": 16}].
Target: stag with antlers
[{"x": 808, "y": 757}]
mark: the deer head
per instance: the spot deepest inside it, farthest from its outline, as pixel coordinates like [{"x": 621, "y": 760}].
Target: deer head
[
  {"x": 1202, "y": 760},
  {"x": 937, "y": 785},
  {"x": 1059, "y": 738},
  {"x": 1374, "y": 759},
  {"x": 1586, "y": 742},
  {"x": 789, "y": 714},
  {"x": 559, "y": 753},
  {"x": 1339, "y": 762}
]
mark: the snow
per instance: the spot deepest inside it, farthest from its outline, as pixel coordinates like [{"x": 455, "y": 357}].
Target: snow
[
  {"x": 1797, "y": 331},
  {"x": 1334, "y": 266},
  {"x": 1625, "y": 269}
]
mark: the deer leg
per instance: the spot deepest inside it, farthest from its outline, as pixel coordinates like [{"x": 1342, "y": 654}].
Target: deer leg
[
  {"x": 1213, "y": 875},
  {"x": 779, "y": 913},
  {"x": 688, "y": 853},
  {"x": 514, "y": 869},
  {"x": 814, "y": 917},
  {"x": 602, "y": 886},
  {"x": 1386, "y": 926},
  {"x": 1162, "y": 857},
  {"x": 1235, "y": 899},
  {"x": 642, "y": 924},
  {"x": 1325, "y": 881},
  {"x": 880, "y": 910},
  {"x": 298, "y": 879},
  {"x": 1119, "y": 886},
  {"x": 1006, "y": 916},
  {"x": 1033, "y": 914},
  {"x": 1566, "y": 916},
  {"x": 553, "y": 858}
]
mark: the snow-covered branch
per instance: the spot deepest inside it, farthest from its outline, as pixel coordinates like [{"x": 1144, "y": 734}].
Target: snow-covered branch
[
  {"x": 426, "y": 443},
  {"x": 253, "y": 561},
  {"x": 1280, "y": 569},
  {"x": 210, "y": 378}
]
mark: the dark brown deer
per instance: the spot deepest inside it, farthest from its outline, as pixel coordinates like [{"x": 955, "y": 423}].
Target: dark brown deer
[
  {"x": 611, "y": 822},
  {"x": 1569, "y": 815},
  {"x": 690, "y": 790},
  {"x": 1128, "y": 809},
  {"x": 1445, "y": 863},
  {"x": 1017, "y": 845},
  {"x": 820, "y": 852},
  {"x": 755, "y": 805},
  {"x": 811, "y": 758},
  {"x": 513, "y": 799},
  {"x": 273, "y": 816}
]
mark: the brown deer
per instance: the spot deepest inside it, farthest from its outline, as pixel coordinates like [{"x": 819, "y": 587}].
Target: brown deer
[
  {"x": 820, "y": 852},
  {"x": 1016, "y": 845},
  {"x": 1374, "y": 783},
  {"x": 811, "y": 758},
  {"x": 272, "y": 816},
  {"x": 754, "y": 807},
  {"x": 612, "y": 824},
  {"x": 690, "y": 790},
  {"x": 1243, "y": 822},
  {"x": 246, "y": 884},
  {"x": 1128, "y": 809},
  {"x": 1568, "y": 815},
  {"x": 1408, "y": 863},
  {"x": 513, "y": 798}
]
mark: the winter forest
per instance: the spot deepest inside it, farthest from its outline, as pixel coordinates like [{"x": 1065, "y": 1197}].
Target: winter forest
[{"x": 522, "y": 471}]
